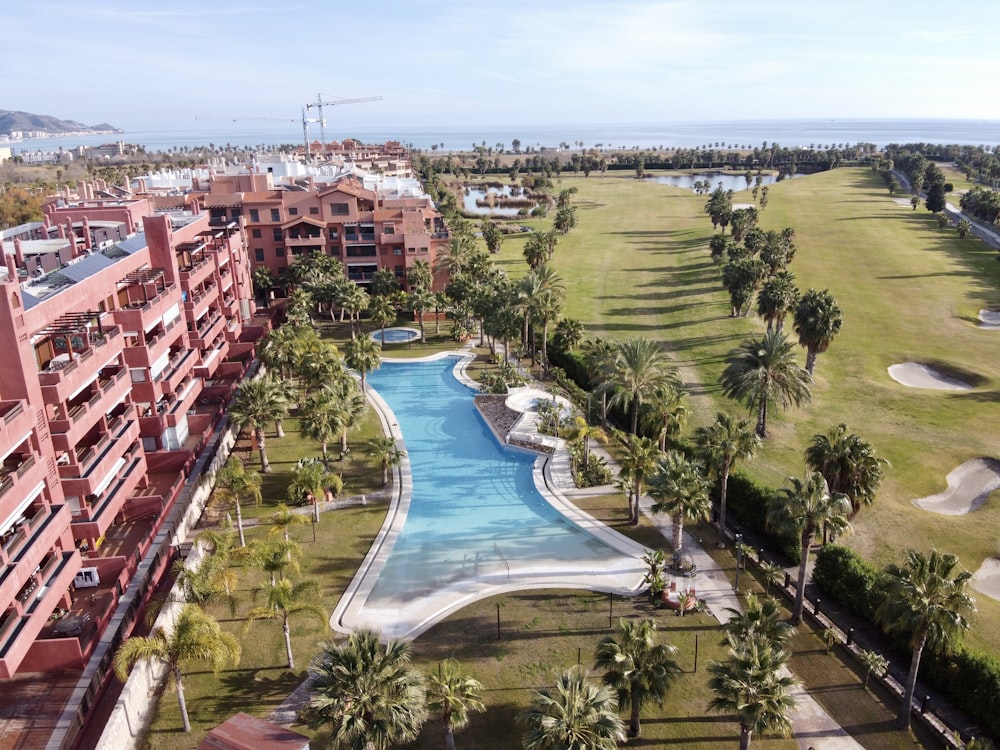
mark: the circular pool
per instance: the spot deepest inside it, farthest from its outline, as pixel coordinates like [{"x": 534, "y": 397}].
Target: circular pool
[
  {"x": 396, "y": 335},
  {"x": 527, "y": 399}
]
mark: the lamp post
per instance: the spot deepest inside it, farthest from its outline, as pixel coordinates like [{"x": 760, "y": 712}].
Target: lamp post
[{"x": 739, "y": 556}]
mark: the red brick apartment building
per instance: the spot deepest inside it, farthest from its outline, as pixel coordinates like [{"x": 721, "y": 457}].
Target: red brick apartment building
[
  {"x": 117, "y": 365},
  {"x": 361, "y": 227}
]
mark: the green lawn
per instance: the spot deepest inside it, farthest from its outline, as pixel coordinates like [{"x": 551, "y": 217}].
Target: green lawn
[{"x": 638, "y": 264}]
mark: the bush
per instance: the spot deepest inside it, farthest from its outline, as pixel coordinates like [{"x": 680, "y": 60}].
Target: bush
[
  {"x": 747, "y": 500},
  {"x": 842, "y": 574}
]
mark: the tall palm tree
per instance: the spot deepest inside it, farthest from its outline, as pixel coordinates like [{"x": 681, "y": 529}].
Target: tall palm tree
[
  {"x": 382, "y": 312},
  {"x": 273, "y": 558},
  {"x": 233, "y": 483},
  {"x": 321, "y": 418},
  {"x": 575, "y": 716},
  {"x": 284, "y": 601},
  {"x": 282, "y": 520},
  {"x": 279, "y": 349},
  {"x": 421, "y": 300},
  {"x": 752, "y": 683},
  {"x": 598, "y": 355},
  {"x": 637, "y": 667},
  {"x": 777, "y": 297},
  {"x": 364, "y": 354},
  {"x": 803, "y": 509},
  {"x": 385, "y": 452},
  {"x": 720, "y": 445},
  {"x": 849, "y": 464},
  {"x": 256, "y": 403},
  {"x": 680, "y": 489},
  {"x": 927, "y": 600},
  {"x": 353, "y": 302},
  {"x": 195, "y": 636},
  {"x": 817, "y": 322},
  {"x": 639, "y": 369},
  {"x": 367, "y": 692},
  {"x": 665, "y": 414},
  {"x": 351, "y": 406},
  {"x": 762, "y": 371},
  {"x": 637, "y": 462},
  {"x": 545, "y": 308},
  {"x": 761, "y": 617},
  {"x": 583, "y": 431},
  {"x": 454, "y": 695}
]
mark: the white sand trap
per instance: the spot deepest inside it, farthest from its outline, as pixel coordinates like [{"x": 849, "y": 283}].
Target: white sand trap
[
  {"x": 916, "y": 375},
  {"x": 989, "y": 319},
  {"x": 968, "y": 488},
  {"x": 986, "y": 580}
]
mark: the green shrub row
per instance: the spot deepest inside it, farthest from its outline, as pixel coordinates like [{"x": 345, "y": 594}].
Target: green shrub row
[
  {"x": 747, "y": 499},
  {"x": 970, "y": 678}
]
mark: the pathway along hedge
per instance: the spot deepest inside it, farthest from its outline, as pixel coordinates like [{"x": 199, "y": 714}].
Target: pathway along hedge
[{"x": 970, "y": 678}]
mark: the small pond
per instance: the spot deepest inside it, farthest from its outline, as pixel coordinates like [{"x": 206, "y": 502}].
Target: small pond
[
  {"x": 729, "y": 180},
  {"x": 490, "y": 201}
]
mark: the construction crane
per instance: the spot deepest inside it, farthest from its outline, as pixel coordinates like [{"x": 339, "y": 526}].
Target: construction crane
[{"x": 319, "y": 104}]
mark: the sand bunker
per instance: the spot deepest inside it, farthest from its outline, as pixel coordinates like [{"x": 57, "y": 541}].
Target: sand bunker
[
  {"x": 916, "y": 375},
  {"x": 986, "y": 580},
  {"x": 989, "y": 319},
  {"x": 968, "y": 488}
]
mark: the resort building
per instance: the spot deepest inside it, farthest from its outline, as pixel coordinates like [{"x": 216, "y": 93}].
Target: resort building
[{"x": 123, "y": 341}]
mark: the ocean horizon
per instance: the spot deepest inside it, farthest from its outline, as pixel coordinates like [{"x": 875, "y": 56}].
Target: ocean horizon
[{"x": 804, "y": 133}]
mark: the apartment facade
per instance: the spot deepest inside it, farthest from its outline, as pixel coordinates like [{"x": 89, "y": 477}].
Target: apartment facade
[
  {"x": 361, "y": 227},
  {"x": 119, "y": 364}
]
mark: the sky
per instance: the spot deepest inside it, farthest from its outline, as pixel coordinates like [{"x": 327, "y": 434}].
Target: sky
[{"x": 139, "y": 64}]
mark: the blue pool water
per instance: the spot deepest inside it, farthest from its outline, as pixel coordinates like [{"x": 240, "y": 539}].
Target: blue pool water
[
  {"x": 396, "y": 335},
  {"x": 469, "y": 494}
]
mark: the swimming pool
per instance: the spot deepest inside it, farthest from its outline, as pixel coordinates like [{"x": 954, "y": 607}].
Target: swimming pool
[
  {"x": 396, "y": 335},
  {"x": 476, "y": 524}
]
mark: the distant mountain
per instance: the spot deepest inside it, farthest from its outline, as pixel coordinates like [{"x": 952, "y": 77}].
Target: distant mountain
[{"x": 25, "y": 121}]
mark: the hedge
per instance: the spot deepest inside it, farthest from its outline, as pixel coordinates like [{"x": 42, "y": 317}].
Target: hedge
[
  {"x": 748, "y": 501},
  {"x": 842, "y": 574}
]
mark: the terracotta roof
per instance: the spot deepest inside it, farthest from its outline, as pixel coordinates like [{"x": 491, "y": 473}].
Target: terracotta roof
[
  {"x": 169, "y": 201},
  {"x": 222, "y": 200},
  {"x": 244, "y": 732},
  {"x": 262, "y": 197}
]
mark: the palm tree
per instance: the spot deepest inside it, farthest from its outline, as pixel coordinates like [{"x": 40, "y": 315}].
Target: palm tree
[
  {"x": 804, "y": 509},
  {"x": 638, "y": 462},
  {"x": 849, "y": 464},
  {"x": 283, "y": 519},
  {"x": 665, "y": 414},
  {"x": 273, "y": 558},
  {"x": 256, "y": 403},
  {"x": 637, "y": 667},
  {"x": 583, "y": 431},
  {"x": 195, "y": 636},
  {"x": 421, "y": 300},
  {"x": 364, "y": 354},
  {"x": 575, "y": 716},
  {"x": 598, "y": 355},
  {"x": 753, "y": 684},
  {"x": 761, "y": 371},
  {"x": 353, "y": 301},
  {"x": 777, "y": 297},
  {"x": 279, "y": 349},
  {"x": 761, "y": 617},
  {"x": 639, "y": 369},
  {"x": 544, "y": 309},
  {"x": 284, "y": 601},
  {"x": 817, "y": 321},
  {"x": 351, "y": 407},
  {"x": 926, "y": 600},
  {"x": 320, "y": 418},
  {"x": 368, "y": 692},
  {"x": 680, "y": 489},
  {"x": 385, "y": 452},
  {"x": 454, "y": 694},
  {"x": 235, "y": 482},
  {"x": 720, "y": 446},
  {"x": 382, "y": 312}
]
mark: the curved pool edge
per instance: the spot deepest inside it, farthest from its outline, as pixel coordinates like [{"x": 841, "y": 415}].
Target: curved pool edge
[{"x": 412, "y": 619}]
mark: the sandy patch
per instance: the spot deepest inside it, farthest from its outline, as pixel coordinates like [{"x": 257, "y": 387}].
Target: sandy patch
[
  {"x": 968, "y": 488},
  {"x": 915, "y": 375},
  {"x": 989, "y": 319},
  {"x": 986, "y": 580},
  {"x": 903, "y": 202}
]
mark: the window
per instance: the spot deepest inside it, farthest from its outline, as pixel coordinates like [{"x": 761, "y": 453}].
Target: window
[
  {"x": 340, "y": 209},
  {"x": 275, "y": 214},
  {"x": 258, "y": 254},
  {"x": 255, "y": 233},
  {"x": 254, "y": 214},
  {"x": 362, "y": 251},
  {"x": 313, "y": 210},
  {"x": 296, "y": 251},
  {"x": 276, "y": 234},
  {"x": 293, "y": 212},
  {"x": 334, "y": 233},
  {"x": 334, "y": 250},
  {"x": 280, "y": 252},
  {"x": 399, "y": 270},
  {"x": 389, "y": 229},
  {"x": 397, "y": 251}
]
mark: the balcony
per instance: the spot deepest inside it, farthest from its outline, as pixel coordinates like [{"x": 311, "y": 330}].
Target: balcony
[
  {"x": 199, "y": 302},
  {"x": 211, "y": 360},
  {"x": 109, "y": 390},
  {"x": 207, "y": 331},
  {"x": 94, "y": 519},
  {"x": 178, "y": 369},
  {"x": 95, "y": 465},
  {"x": 193, "y": 276},
  {"x": 140, "y": 314},
  {"x": 68, "y": 373},
  {"x": 20, "y": 473},
  {"x": 16, "y": 421}
]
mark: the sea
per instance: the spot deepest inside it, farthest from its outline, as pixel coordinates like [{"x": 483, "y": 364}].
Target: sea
[{"x": 609, "y": 136}]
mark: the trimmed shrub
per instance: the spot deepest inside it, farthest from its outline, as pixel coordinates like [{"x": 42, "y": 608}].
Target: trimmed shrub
[
  {"x": 840, "y": 573},
  {"x": 747, "y": 500}
]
